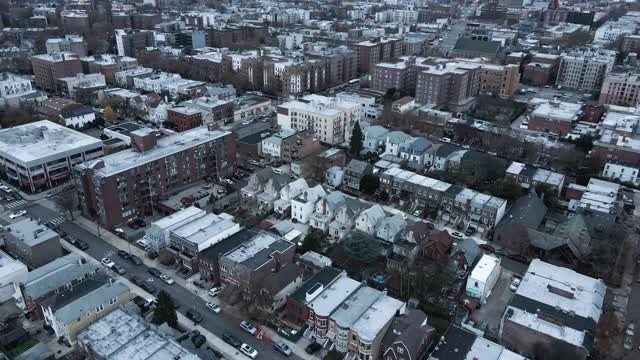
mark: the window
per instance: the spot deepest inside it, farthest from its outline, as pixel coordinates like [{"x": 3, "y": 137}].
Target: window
[
  {"x": 400, "y": 350},
  {"x": 476, "y": 284},
  {"x": 99, "y": 308},
  {"x": 113, "y": 300}
]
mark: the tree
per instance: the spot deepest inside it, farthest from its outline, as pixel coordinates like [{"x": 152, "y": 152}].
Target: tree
[
  {"x": 369, "y": 184},
  {"x": 585, "y": 143},
  {"x": 109, "y": 115},
  {"x": 165, "y": 310},
  {"x": 550, "y": 195},
  {"x": 313, "y": 241},
  {"x": 67, "y": 202},
  {"x": 362, "y": 247},
  {"x": 356, "y": 140}
]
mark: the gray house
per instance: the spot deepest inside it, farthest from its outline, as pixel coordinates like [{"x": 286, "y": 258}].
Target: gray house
[{"x": 354, "y": 172}]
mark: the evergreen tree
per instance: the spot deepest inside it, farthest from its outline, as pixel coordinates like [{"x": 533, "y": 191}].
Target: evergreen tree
[
  {"x": 165, "y": 310},
  {"x": 356, "y": 140}
]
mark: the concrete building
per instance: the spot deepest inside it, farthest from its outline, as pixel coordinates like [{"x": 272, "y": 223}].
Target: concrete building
[
  {"x": 554, "y": 116},
  {"x": 188, "y": 239},
  {"x": 14, "y": 89},
  {"x": 250, "y": 107},
  {"x": 585, "y": 69},
  {"x": 554, "y": 306},
  {"x": 47, "y": 68},
  {"x": 119, "y": 187},
  {"x": 122, "y": 335},
  {"x": 621, "y": 89},
  {"x": 32, "y": 242},
  {"x": 483, "y": 277},
  {"x": 68, "y": 44},
  {"x": 13, "y": 274},
  {"x": 108, "y": 65},
  {"x": 622, "y": 172},
  {"x": 129, "y": 42},
  {"x": 40, "y": 155},
  {"x": 80, "y": 84}
]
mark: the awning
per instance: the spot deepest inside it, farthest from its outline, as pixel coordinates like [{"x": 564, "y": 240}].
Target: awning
[{"x": 475, "y": 217}]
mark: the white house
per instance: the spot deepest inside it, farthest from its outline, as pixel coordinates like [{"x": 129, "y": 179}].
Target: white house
[
  {"x": 12, "y": 274},
  {"x": 78, "y": 117},
  {"x": 368, "y": 220},
  {"x": 622, "y": 172},
  {"x": 325, "y": 210},
  {"x": 303, "y": 205},
  {"x": 394, "y": 141},
  {"x": 287, "y": 193},
  {"x": 374, "y": 137},
  {"x": 333, "y": 176},
  {"x": 483, "y": 277}
]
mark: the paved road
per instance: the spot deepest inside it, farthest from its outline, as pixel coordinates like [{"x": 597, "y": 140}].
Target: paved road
[{"x": 216, "y": 324}]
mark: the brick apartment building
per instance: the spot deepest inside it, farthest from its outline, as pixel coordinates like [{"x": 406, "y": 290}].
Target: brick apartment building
[
  {"x": 541, "y": 70},
  {"x": 231, "y": 36},
  {"x": 183, "y": 118},
  {"x": 247, "y": 265},
  {"x": 299, "y": 145},
  {"x": 285, "y": 76},
  {"x": 121, "y": 186},
  {"x": 451, "y": 85},
  {"x": 341, "y": 63},
  {"x": 554, "y": 116},
  {"x": 108, "y": 65},
  {"x": 371, "y": 52},
  {"x": 145, "y": 21},
  {"x": 47, "y": 68},
  {"x": 499, "y": 79}
]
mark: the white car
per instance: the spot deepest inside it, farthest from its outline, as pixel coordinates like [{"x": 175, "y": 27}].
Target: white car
[
  {"x": 514, "y": 284},
  {"x": 166, "y": 278},
  {"x": 445, "y": 139},
  {"x": 214, "y": 307},
  {"x": 249, "y": 351},
  {"x": 142, "y": 242},
  {"x": 456, "y": 235},
  {"x": 524, "y": 125},
  {"x": 215, "y": 291},
  {"x": 17, "y": 214},
  {"x": 277, "y": 171},
  {"x": 631, "y": 330},
  {"x": 107, "y": 262},
  {"x": 227, "y": 181},
  {"x": 248, "y": 327}
]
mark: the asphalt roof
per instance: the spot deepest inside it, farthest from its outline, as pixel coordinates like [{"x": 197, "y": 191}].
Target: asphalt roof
[
  {"x": 487, "y": 47},
  {"x": 324, "y": 277}
]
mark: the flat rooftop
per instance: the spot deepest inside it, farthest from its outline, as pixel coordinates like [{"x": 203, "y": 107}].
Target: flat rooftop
[
  {"x": 352, "y": 308},
  {"x": 329, "y": 299},
  {"x": 204, "y": 228},
  {"x": 485, "y": 267},
  {"x": 43, "y": 141},
  {"x": 559, "y": 110},
  {"x": 258, "y": 250},
  {"x": 131, "y": 158},
  {"x": 31, "y": 232},
  {"x": 377, "y": 316}
]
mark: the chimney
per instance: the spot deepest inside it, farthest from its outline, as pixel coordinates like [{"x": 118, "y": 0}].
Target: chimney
[{"x": 212, "y": 126}]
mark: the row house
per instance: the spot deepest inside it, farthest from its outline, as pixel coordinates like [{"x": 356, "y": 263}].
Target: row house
[
  {"x": 529, "y": 177},
  {"x": 487, "y": 210},
  {"x": 297, "y": 307}
]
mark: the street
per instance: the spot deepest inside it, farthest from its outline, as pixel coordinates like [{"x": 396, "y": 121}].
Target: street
[{"x": 217, "y": 324}]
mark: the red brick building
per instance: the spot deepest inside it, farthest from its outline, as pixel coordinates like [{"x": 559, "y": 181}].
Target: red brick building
[
  {"x": 296, "y": 309},
  {"x": 183, "y": 118},
  {"x": 47, "y": 68}
]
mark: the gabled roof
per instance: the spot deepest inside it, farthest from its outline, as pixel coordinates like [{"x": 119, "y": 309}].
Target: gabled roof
[
  {"x": 357, "y": 166},
  {"x": 528, "y": 210},
  {"x": 374, "y": 214},
  {"x": 56, "y": 274},
  {"x": 410, "y": 330},
  {"x": 394, "y": 223}
]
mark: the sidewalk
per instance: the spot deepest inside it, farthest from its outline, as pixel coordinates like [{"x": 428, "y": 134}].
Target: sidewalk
[
  {"x": 222, "y": 347},
  {"x": 298, "y": 350}
]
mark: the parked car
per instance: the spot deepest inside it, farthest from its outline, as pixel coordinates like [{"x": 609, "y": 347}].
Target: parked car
[
  {"x": 119, "y": 232},
  {"x": 313, "y": 348},
  {"x": 148, "y": 287},
  {"x": 214, "y": 307},
  {"x": 470, "y": 231},
  {"x": 194, "y": 316},
  {"x": 457, "y": 235},
  {"x": 134, "y": 260},
  {"x": 417, "y": 212},
  {"x": 119, "y": 269},
  {"x": 123, "y": 254},
  {"x": 514, "y": 285},
  {"x": 198, "y": 341},
  {"x": 166, "y": 278},
  {"x": 249, "y": 351},
  {"x": 248, "y": 327},
  {"x": 17, "y": 214},
  {"x": 154, "y": 272},
  {"x": 80, "y": 244},
  {"x": 487, "y": 247},
  {"x": 631, "y": 330},
  {"x": 142, "y": 242},
  {"x": 283, "y": 348},
  {"x": 231, "y": 340},
  {"x": 152, "y": 254},
  {"x": 107, "y": 262},
  {"x": 519, "y": 258},
  {"x": 215, "y": 291},
  {"x": 17, "y": 196}
]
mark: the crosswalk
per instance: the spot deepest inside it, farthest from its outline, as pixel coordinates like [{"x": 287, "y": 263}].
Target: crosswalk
[
  {"x": 15, "y": 204},
  {"x": 58, "y": 220},
  {"x": 620, "y": 303}
]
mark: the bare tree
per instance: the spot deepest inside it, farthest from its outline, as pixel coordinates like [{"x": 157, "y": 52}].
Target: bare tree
[{"x": 67, "y": 202}]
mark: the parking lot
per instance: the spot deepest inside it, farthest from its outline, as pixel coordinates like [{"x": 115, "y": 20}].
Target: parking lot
[{"x": 567, "y": 95}]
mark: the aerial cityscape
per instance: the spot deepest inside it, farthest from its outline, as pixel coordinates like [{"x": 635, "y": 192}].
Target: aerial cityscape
[{"x": 319, "y": 179}]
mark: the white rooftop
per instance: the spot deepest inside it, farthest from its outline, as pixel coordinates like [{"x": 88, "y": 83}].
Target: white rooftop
[
  {"x": 43, "y": 141},
  {"x": 558, "y": 110},
  {"x": 178, "y": 217},
  {"x": 377, "y": 317},
  {"x": 250, "y": 248},
  {"x": 329, "y": 299},
  {"x": 204, "y": 228},
  {"x": 484, "y": 267}
]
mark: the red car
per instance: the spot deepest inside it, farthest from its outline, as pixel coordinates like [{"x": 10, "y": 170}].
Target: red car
[{"x": 487, "y": 247}]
